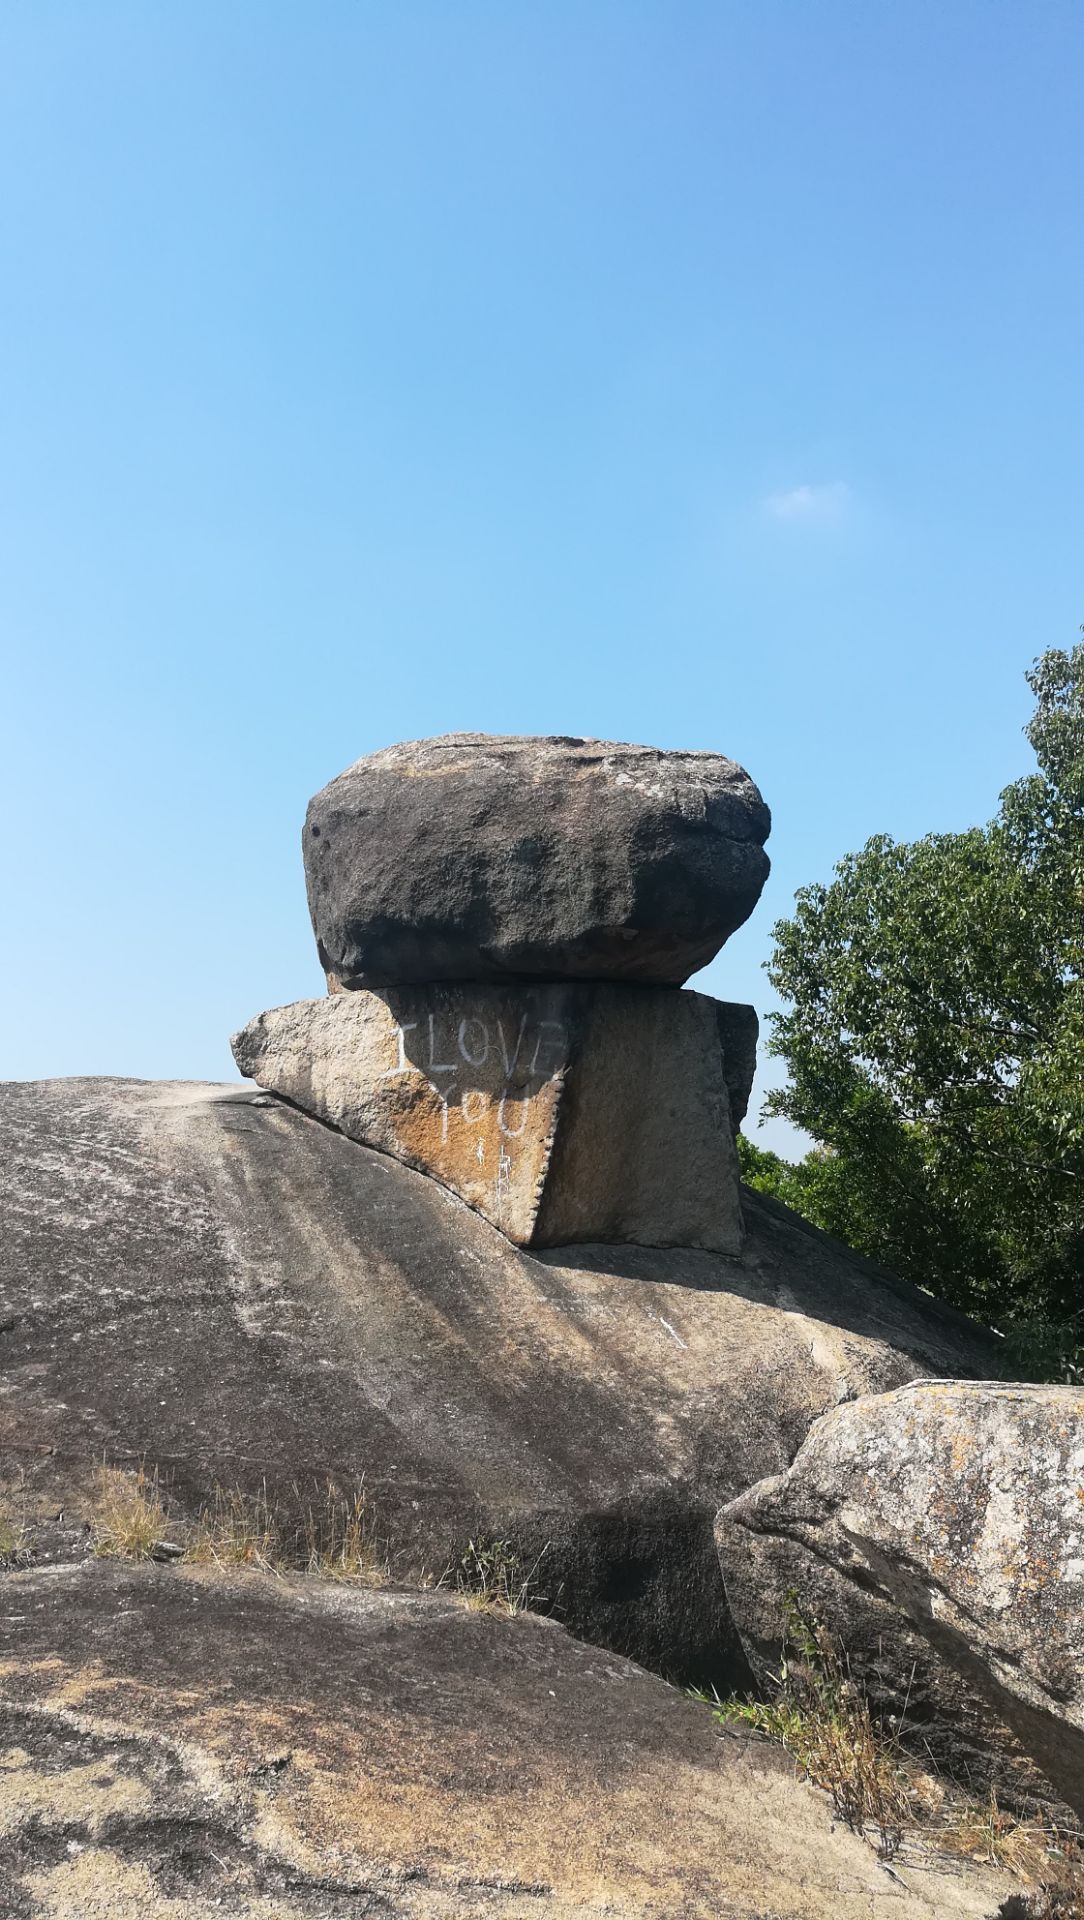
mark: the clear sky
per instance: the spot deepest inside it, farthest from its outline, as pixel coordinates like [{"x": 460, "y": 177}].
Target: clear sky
[{"x": 702, "y": 374}]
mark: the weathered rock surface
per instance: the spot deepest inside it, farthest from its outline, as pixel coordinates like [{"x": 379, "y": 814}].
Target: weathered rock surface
[
  {"x": 962, "y": 1504},
  {"x": 192, "y": 1745},
  {"x": 477, "y": 856},
  {"x": 562, "y": 1113},
  {"x": 739, "y": 1030},
  {"x": 204, "y": 1279}
]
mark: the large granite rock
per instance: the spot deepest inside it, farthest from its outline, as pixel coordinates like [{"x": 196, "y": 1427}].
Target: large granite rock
[
  {"x": 475, "y": 856},
  {"x": 231, "y": 1747},
  {"x": 562, "y": 1112},
  {"x": 206, "y": 1280},
  {"x": 963, "y": 1505}
]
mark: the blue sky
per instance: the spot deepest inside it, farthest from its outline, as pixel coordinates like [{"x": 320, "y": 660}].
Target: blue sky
[{"x": 702, "y": 374}]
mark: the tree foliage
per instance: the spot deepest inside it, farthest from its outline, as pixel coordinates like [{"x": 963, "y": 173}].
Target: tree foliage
[{"x": 933, "y": 1028}]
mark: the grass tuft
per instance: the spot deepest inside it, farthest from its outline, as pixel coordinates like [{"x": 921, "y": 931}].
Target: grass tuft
[
  {"x": 16, "y": 1545},
  {"x": 489, "y": 1578},
  {"x": 333, "y": 1538},
  {"x": 236, "y": 1530},
  {"x": 820, "y": 1715},
  {"x": 342, "y": 1542},
  {"x": 985, "y": 1832},
  {"x": 131, "y": 1519}
]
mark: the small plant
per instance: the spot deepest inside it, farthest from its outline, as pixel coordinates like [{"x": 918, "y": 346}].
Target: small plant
[
  {"x": 16, "y": 1549},
  {"x": 822, "y": 1717},
  {"x": 131, "y": 1518},
  {"x": 489, "y": 1577}
]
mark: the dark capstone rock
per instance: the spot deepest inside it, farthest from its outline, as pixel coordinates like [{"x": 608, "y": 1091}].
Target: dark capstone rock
[{"x": 473, "y": 857}]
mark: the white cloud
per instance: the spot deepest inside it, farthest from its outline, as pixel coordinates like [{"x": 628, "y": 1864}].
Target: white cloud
[{"x": 826, "y": 502}]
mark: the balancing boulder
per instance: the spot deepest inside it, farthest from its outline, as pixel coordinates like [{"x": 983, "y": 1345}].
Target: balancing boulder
[{"x": 477, "y": 857}]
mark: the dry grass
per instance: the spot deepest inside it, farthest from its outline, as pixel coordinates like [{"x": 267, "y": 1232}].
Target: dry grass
[
  {"x": 16, "y": 1545},
  {"x": 333, "y": 1537},
  {"x": 130, "y": 1522},
  {"x": 1048, "y": 1860},
  {"x": 986, "y": 1832},
  {"x": 236, "y": 1530},
  {"x": 820, "y": 1714},
  {"x": 822, "y": 1717},
  {"x": 342, "y": 1540},
  {"x": 489, "y": 1578}
]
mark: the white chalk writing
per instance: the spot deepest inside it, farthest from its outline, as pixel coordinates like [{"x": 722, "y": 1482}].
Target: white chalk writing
[
  {"x": 535, "y": 1054},
  {"x": 442, "y": 1097},
  {"x": 512, "y": 1133},
  {"x": 435, "y": 1065},
  {"x": 553, "y": 1044},
  {"x": 510, "y": 1060},
  {"x": 479, "y": 1058},
  {"x": 402, "y": 1064}
]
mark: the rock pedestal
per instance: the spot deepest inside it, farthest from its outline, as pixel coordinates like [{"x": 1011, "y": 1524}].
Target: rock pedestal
[{"x": 561, "y": 1112}]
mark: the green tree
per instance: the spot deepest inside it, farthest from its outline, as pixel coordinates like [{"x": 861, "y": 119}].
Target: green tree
[{"x": 933, "y": 1028}]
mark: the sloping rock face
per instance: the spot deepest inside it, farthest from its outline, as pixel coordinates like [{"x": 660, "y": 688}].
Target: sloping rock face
[
  {"x": 195, "y": 1745},
  {"x": 206, "y": 1280},
  {"x": 475, "y": 856},
  {"x": 562, "y": 1113},
  {"x": 963, "y": 1504}
]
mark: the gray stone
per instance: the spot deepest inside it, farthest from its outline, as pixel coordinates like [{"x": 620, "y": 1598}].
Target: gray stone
[
  {"x": 474, "y": 857},
  {"x": 962, "y": 1505},
  {"x": 561, "y": 1112}
]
